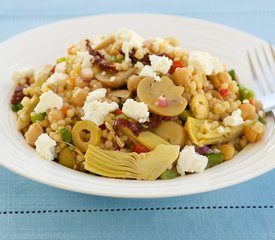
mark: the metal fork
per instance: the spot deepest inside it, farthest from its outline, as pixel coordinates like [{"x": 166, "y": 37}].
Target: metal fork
[{"x": 262, "y": 62}]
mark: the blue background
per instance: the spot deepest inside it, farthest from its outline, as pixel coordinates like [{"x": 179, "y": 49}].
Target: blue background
[{"x": 29, "y": 210}]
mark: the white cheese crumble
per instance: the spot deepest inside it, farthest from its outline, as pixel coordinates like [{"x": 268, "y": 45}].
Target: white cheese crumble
[
  {"x": 245, "y": 101},
  {"x": 160, "y": 64},
  {"x": 190, "y": 161},
  {"x": 95, "y": 110},
  {"x": 147, "y": 71},
  {"x": 136, "y": 110},
  {"x": 60, "y": 67},
  {"x": 220, "y": 129},
  {"x": 129, "y": 40},
  {"x": 139, "y": 65},
  {"x": 56, "y": 78},
  {"x": 45, "y": 146},
  {"x": 234, "y": 119},
  {"x": 23, "y": 73},
  {"x": 204, "y": 62},
  {"x": 85, "y": 58},
  {"x": 48, "y": 100}
]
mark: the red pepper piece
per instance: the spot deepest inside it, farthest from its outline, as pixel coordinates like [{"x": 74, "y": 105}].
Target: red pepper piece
[
  {"x": 140, "y": 149},
  {"x": 176, "y": 64}
]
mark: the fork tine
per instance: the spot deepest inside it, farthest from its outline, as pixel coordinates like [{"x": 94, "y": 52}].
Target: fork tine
[
  {"x": 268, "y": 52},
  {"x": 259, "y": 78},
  {"x": 264, "y": 65},
  {"x": 272, "y": 50}
]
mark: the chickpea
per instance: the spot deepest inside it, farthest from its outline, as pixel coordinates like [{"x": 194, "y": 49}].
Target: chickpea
[
  {"x": 182, "y": 76},
  {"x": 34, "y": 131},
  {"x": 55, "y": 115},
  {"x": 254, "y": 131},
  {"x": 133, "y": 82},
  {"x": 79, "y": 97},
  {"x": 87, "y": 74},
  {"x": 228, "y": 151},
  {"x": 248, "y": 111}
]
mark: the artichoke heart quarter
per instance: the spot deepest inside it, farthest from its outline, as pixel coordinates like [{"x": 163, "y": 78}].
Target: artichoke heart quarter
[{"x": 143, "y": 166}]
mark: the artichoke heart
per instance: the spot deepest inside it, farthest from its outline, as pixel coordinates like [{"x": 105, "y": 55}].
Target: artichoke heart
[
  {"x": 143, "y": 166},
  {"x": 214, "y": 136}
]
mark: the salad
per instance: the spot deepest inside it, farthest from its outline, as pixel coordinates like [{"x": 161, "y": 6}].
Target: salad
[{"x": 121, "y": 106}]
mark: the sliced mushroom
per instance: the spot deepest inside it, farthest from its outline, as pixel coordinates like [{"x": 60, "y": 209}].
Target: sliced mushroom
[
  {"x": 150, "y": 91},
  {"x": 105, "y": 42},
  {"x": 120, "y": 93},
  {"x": 114, "y": 80}
]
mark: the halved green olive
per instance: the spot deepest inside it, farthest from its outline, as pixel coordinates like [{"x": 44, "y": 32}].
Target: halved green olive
[
  {"x": 66, "y": 158},
  {"x": 90, "y": 128}
]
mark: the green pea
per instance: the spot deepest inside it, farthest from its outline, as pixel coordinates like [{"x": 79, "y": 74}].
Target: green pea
[
  {"x": 262, "y": 120},
  {"x": 245, "y": 93},
  {"x": 168, "y": 174},
  {"x": 214, "y": 159}
]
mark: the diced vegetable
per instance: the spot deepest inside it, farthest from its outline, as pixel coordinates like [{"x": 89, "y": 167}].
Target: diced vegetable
[
  {"x": 138, "y": 148},
  {"x": 117, "y": 58},
  {"x": 90, "y": 127},
  {"x": 135, "y": 127},
  {"x": 145, "y": 166},
  {"x": 184, "y": 115},
  {"x": 62, "y": 59},
  {"x": 214, "y": 159},
  {"x": 67, "y": 136},
  {"x": 232, "y": 74},
  {"x": 223, "y": 92},
  {"x": 16, "y": 107},
  {"x": 118, "y": 111},
  {"x": 176, "y": 64},
  {"x": 262, "y": 120},
  {"x": 245, "y": 93},
  {"x": 202, "y": 150},
  {"x": 37, "y": 117},
  {"x": 168, "y": 174}
]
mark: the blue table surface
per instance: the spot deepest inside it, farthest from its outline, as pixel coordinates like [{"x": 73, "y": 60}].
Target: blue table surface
[{"x": 29, "y": 210}]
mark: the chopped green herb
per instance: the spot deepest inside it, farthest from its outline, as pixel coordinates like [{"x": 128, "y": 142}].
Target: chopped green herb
[
  {"x": 233, "y": 75},
  {"x": 37, "y": 117},
  {"x": 245, "y": 93},
  {"x": 121, "y": 104},
  {"x": 184, "y": 115},
  {"x": 145, "y": 126},
  {"x": 118, "y": 58},
  {"x": 168, "y": 174},
  {"x": 16, "y": 107},
  {"x": 122, "y": 115},
  {"x": 67, "y": 136},
  {"x": 214, "y": 159},
  {"x": 262, "y": 120},
  {"x": 59, "y": 60}
]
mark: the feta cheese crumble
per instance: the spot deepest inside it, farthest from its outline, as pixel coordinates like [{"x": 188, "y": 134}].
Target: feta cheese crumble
[
  {"x": 160, "y": 64},
  {"x": 45, "y": 146},
  {"x": 129, "y": 40},
  {"x": 136, "y": 110},
  {"x": 48, "y": 100},
  {"x": 85, "y": 58},
  {"x": 147, "y": 71},
  {"x": 95, "y": 110},
  {"x": 60, "y": 67},
  {"x": 190, "y": 161},
  {"x": 56, "y": 78},
  {"x": 23, "y": 73},
  {"x": 204, "y": 62},
  {"x": 234, "y": 119}
]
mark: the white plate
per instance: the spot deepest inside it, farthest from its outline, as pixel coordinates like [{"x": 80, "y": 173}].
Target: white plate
[{"x": 45, "y": 44}]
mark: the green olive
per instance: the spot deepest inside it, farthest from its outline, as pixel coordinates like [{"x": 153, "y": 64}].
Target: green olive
[
  {"x": 85, "y": 126},
  {"x": 66, "y": 158},
  {"x": 172, "y": 132},
  {"x": 149, "y": 91}
]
